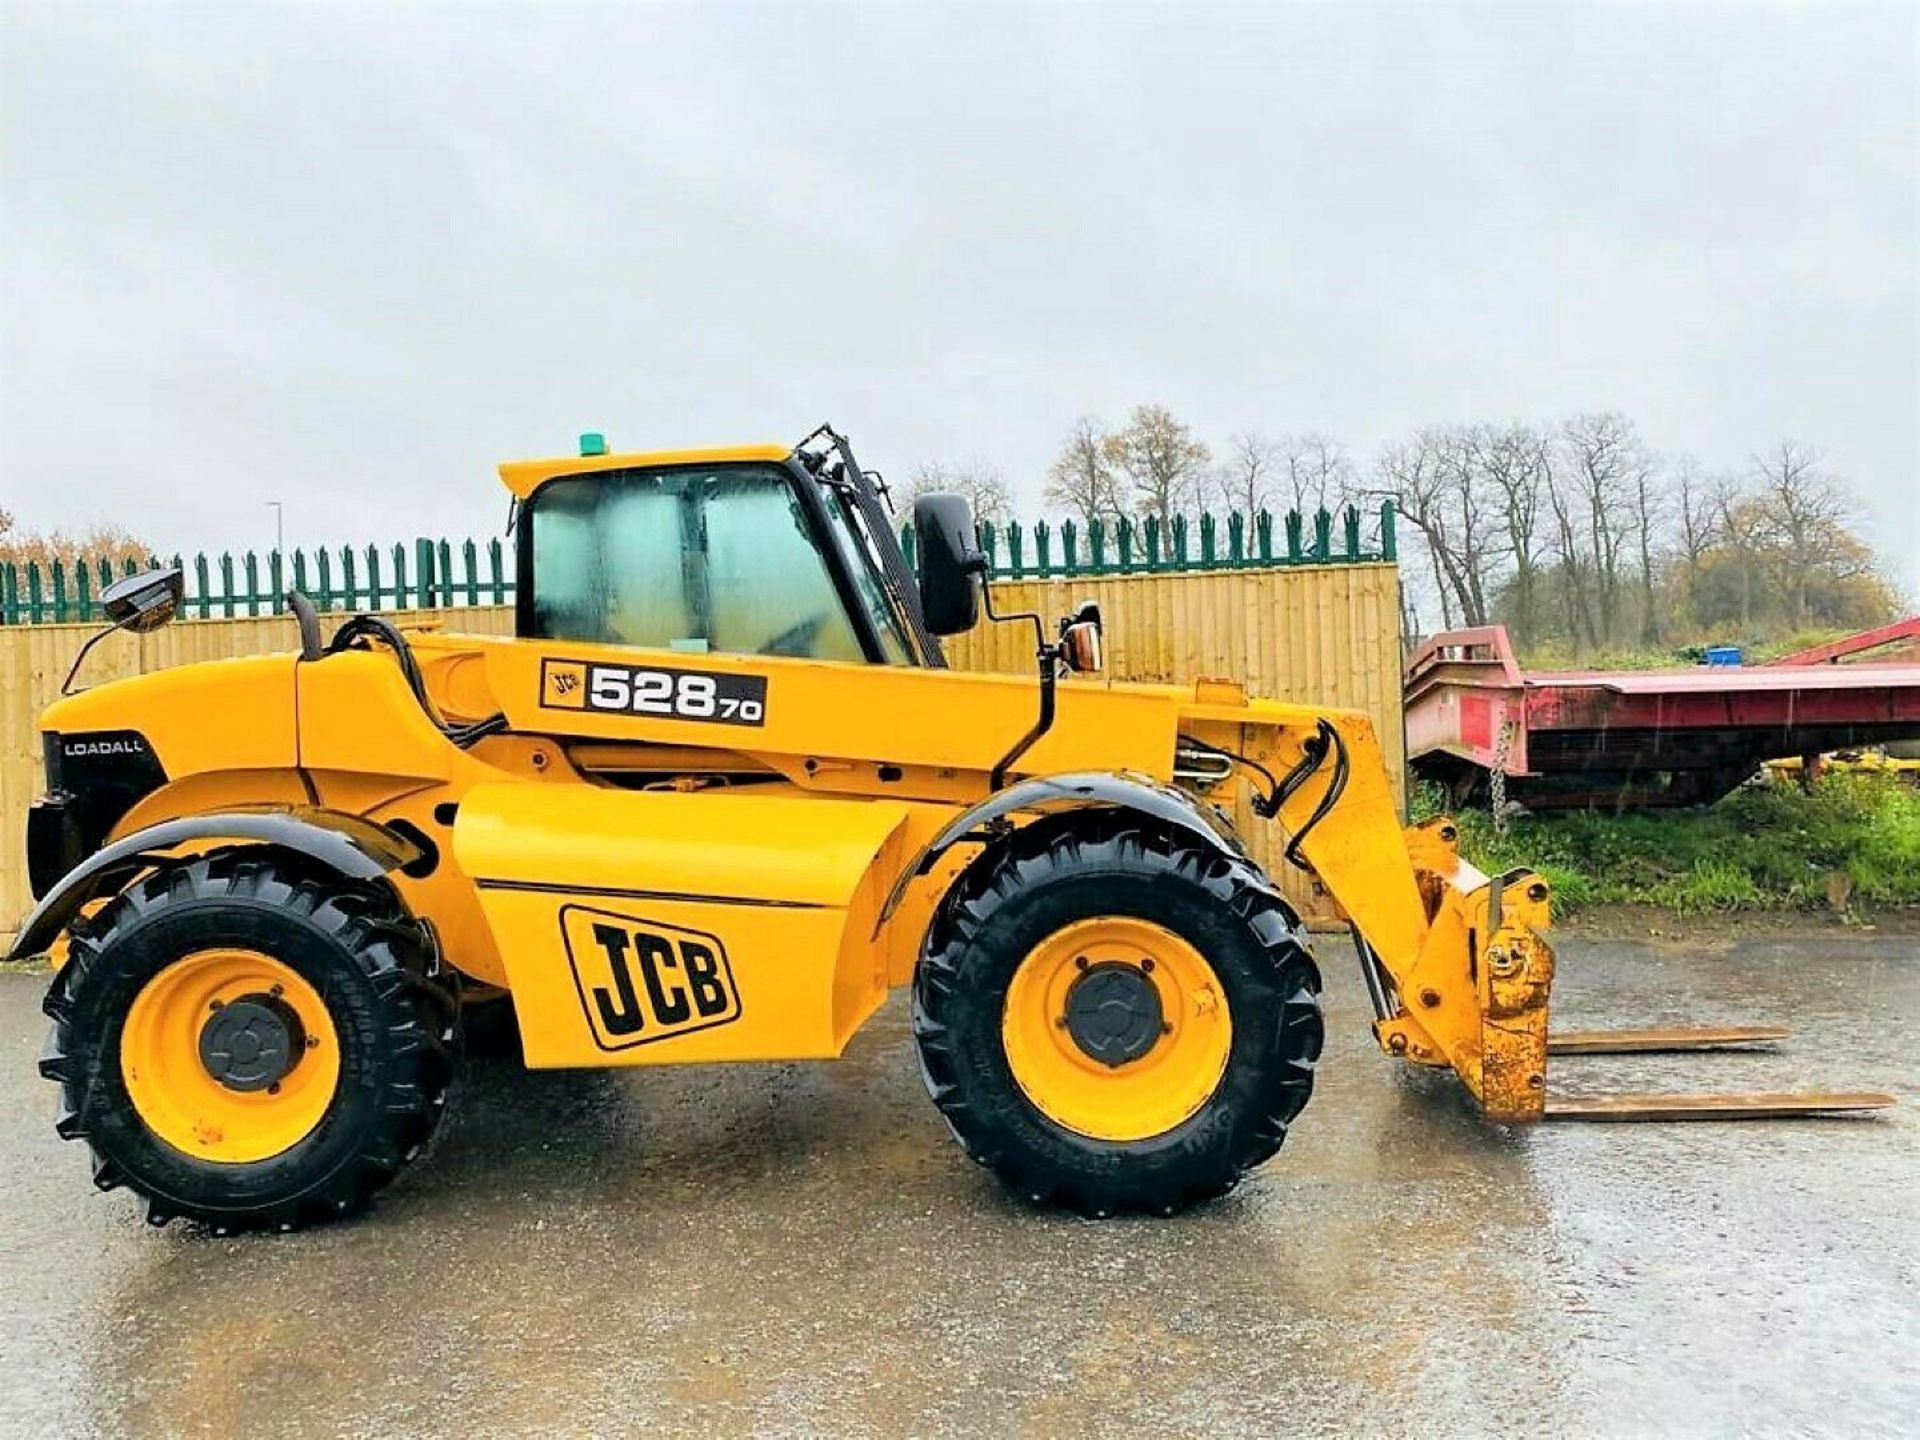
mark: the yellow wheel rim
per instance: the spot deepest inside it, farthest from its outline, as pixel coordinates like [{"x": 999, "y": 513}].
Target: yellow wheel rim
[
  {"x": 164, "y": 1056},
  {"x": 1183, "y": 1042}
]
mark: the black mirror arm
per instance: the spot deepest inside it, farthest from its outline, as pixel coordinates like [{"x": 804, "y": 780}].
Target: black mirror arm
[
  {"x": 1047, "y": 654},
  {"x": 66, "y": 685}
]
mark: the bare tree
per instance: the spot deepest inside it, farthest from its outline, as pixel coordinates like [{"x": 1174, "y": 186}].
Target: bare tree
[
  {"x": 1583, "y": 533},
  {"x": 1449, "y": 483},
  {"x": 1409, "y": 621},
  {"x": 1465, "y": 491},
  {"x": 977, "y": 481},
  {"x": 1420, "y": 591},
  {"x": 1246, "y": 475},
  {"x": 1648, "y": 511},
  {"x": 1570, "y": 562},
  {"x": 1080, "y": 479},
  {"x": 1161, "y": 459},
  {"x": 1518, "y": 463},
  {"x": 1743, "y": 528},
  {"x": 1319, "y": 473},
  {"x": 1601, "y": 455},
  {"x": 1693, "y": 511},
  {"x": 1413, "y": 474},
  {"x": 1807, "y": 507}
]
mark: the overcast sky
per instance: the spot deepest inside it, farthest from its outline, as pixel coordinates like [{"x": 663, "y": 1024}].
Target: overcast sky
[{"x": 349, "y": 258}]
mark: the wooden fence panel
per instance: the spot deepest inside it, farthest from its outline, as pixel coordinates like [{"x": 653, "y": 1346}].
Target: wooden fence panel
[{"x": 1321, "y": 634}]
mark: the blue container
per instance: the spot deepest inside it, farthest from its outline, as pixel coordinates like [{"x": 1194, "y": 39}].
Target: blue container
[{"x": 1723, "y": 655}]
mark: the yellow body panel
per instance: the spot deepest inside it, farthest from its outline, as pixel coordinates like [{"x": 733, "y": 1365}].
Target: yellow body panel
[
  {"x": 523, "y": 477},
  {"x": 357, "y": 717},
  {"x": 217, "y": 715},
  {"x": 642, "y": 927},
  {"x": 824, "y": 710}
]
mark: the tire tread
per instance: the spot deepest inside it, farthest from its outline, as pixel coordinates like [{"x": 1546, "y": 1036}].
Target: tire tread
[
  {"x": 420, "y": 1028},
  {"x": 1124, "y": 846}
]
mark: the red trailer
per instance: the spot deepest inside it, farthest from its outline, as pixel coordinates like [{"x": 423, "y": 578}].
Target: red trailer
[
  {"x": 1903, "y": 633},
  {"x": 1574, "y": 739}
]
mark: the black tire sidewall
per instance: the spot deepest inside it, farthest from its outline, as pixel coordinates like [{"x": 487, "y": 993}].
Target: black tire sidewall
[
  {"x": 139, "y": 950},
  {"x": 1204, "y": 1152}
]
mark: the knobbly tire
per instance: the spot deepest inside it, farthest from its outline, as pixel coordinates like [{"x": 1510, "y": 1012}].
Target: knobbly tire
[
  {"x": 1052, "y": 875},
  {"x": 395, "y": 1021}
]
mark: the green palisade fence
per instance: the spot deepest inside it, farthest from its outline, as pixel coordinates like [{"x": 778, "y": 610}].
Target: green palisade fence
[
  {"x": 1126, "y": 546},
  {"x": 428, "y": 574},
  {"x": 441, "y": 574}
]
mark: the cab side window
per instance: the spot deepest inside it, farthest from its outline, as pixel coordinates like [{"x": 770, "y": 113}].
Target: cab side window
[{"x": 693, "y": 559}]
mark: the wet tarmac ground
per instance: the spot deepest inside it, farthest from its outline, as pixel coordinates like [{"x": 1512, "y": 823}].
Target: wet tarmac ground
[{"x": 802, "y": 1249}]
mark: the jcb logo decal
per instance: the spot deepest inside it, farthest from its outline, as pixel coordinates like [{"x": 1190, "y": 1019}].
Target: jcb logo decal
[
  {"x": 641, "y": 981},
  {"x": 563, "y": 684}
]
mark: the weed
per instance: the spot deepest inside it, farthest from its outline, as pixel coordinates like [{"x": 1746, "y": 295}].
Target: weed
[{"x": 1854, "y": 841}]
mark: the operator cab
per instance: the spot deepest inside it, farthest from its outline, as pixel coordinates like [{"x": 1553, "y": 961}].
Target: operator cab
[{"x": 759, "y": 550}]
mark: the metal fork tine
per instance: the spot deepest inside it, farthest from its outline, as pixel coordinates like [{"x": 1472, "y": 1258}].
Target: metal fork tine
[
  {"x": 1761, "y": 1106},
  {"x": 1658, "y": 1041}
]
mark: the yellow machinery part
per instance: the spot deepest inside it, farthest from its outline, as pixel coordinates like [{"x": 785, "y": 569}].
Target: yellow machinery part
[
  {"x": 357, "y": 716},
  {"x": 1476, "y": 996},
  {"x": 781, "y": 874},
  {"x": 736, "y": 923},
  {"x": 169, "y": 1084},
  {"x": 825, "y": 711},
  {"x": 1141, "y": 1098},
  {"x": 523, "y": 477},
  {"x": 1466, "y": 970},
  {"x": 174, "y": 710}
]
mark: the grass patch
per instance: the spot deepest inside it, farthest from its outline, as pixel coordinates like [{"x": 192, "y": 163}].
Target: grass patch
[
  {"x": 1557, "y": 653},
  {"x": 1852, "y": 844}
]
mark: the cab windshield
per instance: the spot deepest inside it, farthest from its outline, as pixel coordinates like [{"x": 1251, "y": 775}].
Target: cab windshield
[
  {"x": 868, "y": 578},
  {"x": 701, "y": 559}
]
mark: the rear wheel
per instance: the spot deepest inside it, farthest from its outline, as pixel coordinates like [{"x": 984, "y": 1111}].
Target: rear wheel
[
  {"x": 250, "y": 1045},
  {"x": 1114, "y": 1016}
]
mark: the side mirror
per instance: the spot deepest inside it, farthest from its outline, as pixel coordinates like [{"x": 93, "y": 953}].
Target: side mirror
[
  {"x": 950, "y": 561},
  {"x": 1083, "y": 640},
  {"x": 138, "y": 603},
  {"x": 146, "y": 601}
]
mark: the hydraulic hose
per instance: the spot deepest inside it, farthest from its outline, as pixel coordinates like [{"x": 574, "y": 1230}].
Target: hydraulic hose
[
  {"x": 1326, "y": 740},
  {"x": 355, "y": 633}
]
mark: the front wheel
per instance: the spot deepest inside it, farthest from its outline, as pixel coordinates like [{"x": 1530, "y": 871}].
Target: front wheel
[
  {"x": 249, "y": 1045},
  {"x": 1114, "y": 1016}
]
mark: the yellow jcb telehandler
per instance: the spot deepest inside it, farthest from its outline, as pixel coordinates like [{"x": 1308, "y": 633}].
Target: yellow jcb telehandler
[{"x": 714, "y": 799}]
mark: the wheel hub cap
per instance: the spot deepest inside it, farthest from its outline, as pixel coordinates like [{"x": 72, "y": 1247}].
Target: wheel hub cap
[
  {"x": 1113, "y": 1013},
  {"x": 1114, "y": 1028},
  {"x": 251, "y": 1043}
]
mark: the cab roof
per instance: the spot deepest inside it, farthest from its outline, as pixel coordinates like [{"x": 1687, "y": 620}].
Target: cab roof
[{"x": 523, "y": 477}]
